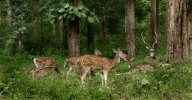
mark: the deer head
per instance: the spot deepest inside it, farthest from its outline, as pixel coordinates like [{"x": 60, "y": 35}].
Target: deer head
[
  {"x": 150, "y": 47},
  {"x": 120, "y": 54},
  {"x": 97, "y": 52}
]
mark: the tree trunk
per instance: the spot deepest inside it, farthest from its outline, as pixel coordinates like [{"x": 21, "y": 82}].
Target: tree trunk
[
  {"x": 1, "y": 15},
  {"x": 90, "y": 37},
  {"x": 154, "y": 20},
  {"x": 176, "y": 30},
  {"x": 189, "y": 24},
  {"x": 130, "y": 28},
  {"x": 102, "y": 34},
  {"x": 34, "y": 22},
  {"x": 74, "y": 35},
  {"x": 9, "y": 13},
  {"x": 56, "y": 34},
  {"x": 65, "y": 36}
]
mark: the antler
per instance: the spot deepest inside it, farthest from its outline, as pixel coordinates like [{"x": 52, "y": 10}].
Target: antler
[
  {"x": 155, "y": 40},
  {"x": 144, "y": 40}
]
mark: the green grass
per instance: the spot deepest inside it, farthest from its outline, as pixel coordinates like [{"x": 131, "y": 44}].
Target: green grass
[{"x": 173, "y": 82}]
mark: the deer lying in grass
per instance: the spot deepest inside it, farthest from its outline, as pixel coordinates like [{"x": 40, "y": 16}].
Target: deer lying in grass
[
  {"x": 73, "y": 62},
  {"x": 103, "y": 64},
  {"x": 142, "y": 67},
  {"x": 42, "y": 63}
]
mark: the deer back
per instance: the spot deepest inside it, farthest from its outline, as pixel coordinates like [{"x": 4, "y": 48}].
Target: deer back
[{"x": 94, "y": 62}]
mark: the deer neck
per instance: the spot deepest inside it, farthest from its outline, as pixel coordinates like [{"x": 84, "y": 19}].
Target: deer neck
[{"x": 115, "y": 61}]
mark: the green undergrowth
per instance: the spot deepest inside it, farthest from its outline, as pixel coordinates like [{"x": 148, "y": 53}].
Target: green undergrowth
[{"x": 172, "y": 82}]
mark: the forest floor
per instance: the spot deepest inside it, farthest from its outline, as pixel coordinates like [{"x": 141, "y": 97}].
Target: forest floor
[{"x": 171, "y": 82}]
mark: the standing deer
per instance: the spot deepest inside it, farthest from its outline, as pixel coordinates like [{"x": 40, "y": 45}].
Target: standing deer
[
  {"x": 151, "y": 47},
  {"x": 44, "y": 63},
  {"x": 101, "y": 63},
  {"x": 73, "y": 62}
]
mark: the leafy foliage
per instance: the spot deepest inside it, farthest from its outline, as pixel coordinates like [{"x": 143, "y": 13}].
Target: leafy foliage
[{"x": 70, "y": 12}]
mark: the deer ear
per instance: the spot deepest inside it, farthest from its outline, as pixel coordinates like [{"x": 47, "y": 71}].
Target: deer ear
[{"x": 114, "y": 50}]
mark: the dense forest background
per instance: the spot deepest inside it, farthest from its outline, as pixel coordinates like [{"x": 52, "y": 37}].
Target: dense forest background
[{"x": 154, "y": 32}]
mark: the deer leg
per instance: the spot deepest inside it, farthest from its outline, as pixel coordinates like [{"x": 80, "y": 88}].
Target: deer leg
[
  {"x": 105, "y": 77},
  {"x": 89, "y": 73},
  {"x": 102, "y": 78},
  {"x": 84, "y": 73},
  {"x": 69, "y": 71},
  {"x": 35, "y": 62}
]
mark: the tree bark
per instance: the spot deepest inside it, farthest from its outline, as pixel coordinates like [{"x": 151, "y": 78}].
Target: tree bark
[
  {"x": 56, "y": 34},
  {"x": 65, "y": 36},
  {"x": 1, "y": 15},
  {"x": 102, "y": 34},
  {"x": 176, "y": 30},
  {"x": 130, "y": 28},
  {"x": 74, "y": 35},
  {"x": 189, "y": 24},
  {"x": 90, "y": 37},
  {"x": 34, "y": 22},
  {"x": 9, "y": 13},
  {"x": 154, "y": 20}
]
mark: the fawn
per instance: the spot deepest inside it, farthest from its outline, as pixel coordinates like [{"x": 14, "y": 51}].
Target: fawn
[
  {"x": 101, "y": 63},
  {"x": 142, "y": 67}
]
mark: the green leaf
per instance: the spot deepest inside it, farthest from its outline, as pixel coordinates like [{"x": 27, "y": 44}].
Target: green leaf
[
  {"x": 71, "y": 8},
  {"x": 80, "y": 6},
  {"x": 66, "y": 5},
  {"x": 96, "y": 18},
  {"x": 83, "y": 15},
  {"x": 61, "y": 10},
  {"x": 60, "y": 17},
  {"x": 64, "y": 15},
  {"x": 78, "y": 14},
  {"x": 76, "y": 9},
  {"x": 144, "y": 81},
  {"x": 90, "y": 19}
]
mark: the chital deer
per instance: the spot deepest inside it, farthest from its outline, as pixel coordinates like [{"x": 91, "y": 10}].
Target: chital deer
[
  {"x": 151, "y": 47},
  {"x": 101, "y": 63},
  {"x": 73, "y": 62},
  {"x": 142, "y": 67},
  {"x": 44, "y": 63}
]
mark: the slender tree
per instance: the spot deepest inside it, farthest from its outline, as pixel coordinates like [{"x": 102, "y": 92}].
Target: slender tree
[
  {"x": 90, "y": 37},
  {"x": 130, "y": 27},
  {"x": 176, "y": 30},
  {"x": 74, "y": 34},
  {"x": 189, "y": 28},
  {"x": 56, "y": 31},
  {"x": 154, "y": 19},
  {"x": 9, "y": 13},
  {"x": 34, "y": 22},
  {"x": 65, "y": 36},
  {"x": 1, "y": 15},
  {"x": 102, "y": 34}
]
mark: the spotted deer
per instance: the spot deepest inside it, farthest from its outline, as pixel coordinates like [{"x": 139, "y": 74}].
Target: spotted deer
[
  {"x": 42, "y": 63},
  {"x": 103, "y": 64},
  {"x": 73, "y": 62},
  {"x": 143, "y": 68},
  {"x": 150, "y": 47}
]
